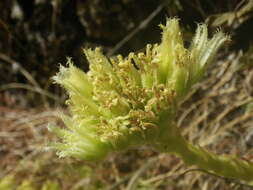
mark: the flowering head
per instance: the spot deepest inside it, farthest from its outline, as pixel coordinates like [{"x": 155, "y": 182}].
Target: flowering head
[{"x": 123, "y": 102}]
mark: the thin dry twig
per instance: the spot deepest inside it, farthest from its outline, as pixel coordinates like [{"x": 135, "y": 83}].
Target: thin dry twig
[
  {"x": 141, "y": 26},
  {"x": 217, "y": 176},
  {"x": 134, "y": 179}
]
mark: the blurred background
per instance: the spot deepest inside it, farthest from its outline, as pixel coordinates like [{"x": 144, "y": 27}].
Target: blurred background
[{"x": 37, "y": 35}]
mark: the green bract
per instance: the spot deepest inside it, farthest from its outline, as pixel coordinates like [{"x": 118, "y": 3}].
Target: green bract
[{"x": 123, "y": 102}]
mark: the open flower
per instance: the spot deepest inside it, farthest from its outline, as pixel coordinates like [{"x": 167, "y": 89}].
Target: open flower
[{"x": 124, "y": 102}]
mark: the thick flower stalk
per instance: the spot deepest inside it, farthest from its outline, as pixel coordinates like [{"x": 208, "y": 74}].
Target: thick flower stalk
[{"x": 126, "y": 102}]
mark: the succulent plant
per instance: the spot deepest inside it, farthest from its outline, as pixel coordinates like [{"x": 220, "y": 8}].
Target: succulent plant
[{"x": 126, "y": 102}]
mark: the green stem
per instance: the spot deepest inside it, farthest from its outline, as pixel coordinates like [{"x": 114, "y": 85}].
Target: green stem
[{"x": 226, "y": 166}]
